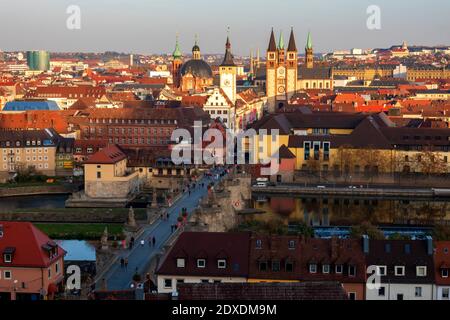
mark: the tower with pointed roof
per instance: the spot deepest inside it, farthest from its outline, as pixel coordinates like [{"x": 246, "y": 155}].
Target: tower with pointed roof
[
  {"x": 176, "y": 64},
  {"x": 281, "y": 71},
  {"x": 291, "y": 66},
  {"x": 228, "y": 73},
  {"x": 309, "y": 53}
]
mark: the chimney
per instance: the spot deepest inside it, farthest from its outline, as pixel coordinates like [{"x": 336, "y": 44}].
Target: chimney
[
  {"x": 429, "y": 245},
  {"x": 365, "y": 244}
]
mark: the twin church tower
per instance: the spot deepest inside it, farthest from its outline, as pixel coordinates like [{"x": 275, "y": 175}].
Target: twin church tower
[{"x": 284, "y": 76}]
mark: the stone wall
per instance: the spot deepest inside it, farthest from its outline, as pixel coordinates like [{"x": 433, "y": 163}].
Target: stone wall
[
  {"x": 36, "y": 190},
  {"x": 218, "y": 212},
  {"x": 111, "y": 189}
]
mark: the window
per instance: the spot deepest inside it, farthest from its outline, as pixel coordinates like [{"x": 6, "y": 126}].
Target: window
[
  {"x": 382, "y": 270},
  {"x": 399, "y": 270},
  {"x": 258, "y": 244},
  {"x": 381, "y": 291},
  {"x": 445, "y": 293},
  {"x": 180, "y": 281},
  {"x": 221, "y": 263},
  {"x": 276, "y": 266},
  {"x": 204, "y": 281},
  {"x": 289, "y": 266},
  {"x": 57, "y": 267},
  {"x": 444, "y": 273},
  {"x": 7, "y": 275},
  {"x": 262, "y": 266},
  {"x": 181, "y": 262},
  {"x": 201, "y": 263},
  {"x": 312, "y": 268},
  {"x": 421, "y": 271},
  {"x": 418, "y": 292},
  {"x": 49, "y": 271},
  {"x": 338, "y": 268},
  {"x": 351, "y": 271},
  {"x": 7, "y": 257},
  {"x": 326, "y": 268},
  {"x": 167, "y": 283},
  {"x": 99, "y": 175},
  {"x": 352, "y": 296},
  {"x": 291, "y": 244}
]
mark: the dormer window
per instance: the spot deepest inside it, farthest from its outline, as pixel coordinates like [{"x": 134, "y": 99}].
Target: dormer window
[
  {"x": 201, "y": 263},
  {"x": 181, "y": 263},
  {"x": 312, "y": 268},
  {"x": 258, "y": 244},
  {"x": 8, "y": 254},
  {"x": 399, "y": 270},
  {"x": 421, "y": 271},
  {"x": 221, "y": 263},
  {"x": 351, "y": 271},
  {"x": 291, "y": 244},
  {"x": 444, "y": 273}
]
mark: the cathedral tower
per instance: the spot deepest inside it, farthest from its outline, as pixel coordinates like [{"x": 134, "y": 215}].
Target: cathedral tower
[
  {"x": 291, "y": 66},
  {"x": 228, "y": 73},
  {"x": 196, "y": 50}
]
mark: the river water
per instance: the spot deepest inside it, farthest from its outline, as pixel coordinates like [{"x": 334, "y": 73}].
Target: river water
[
  {"x": 332, "y": 211},
  {"x": 25, "y": 202}
]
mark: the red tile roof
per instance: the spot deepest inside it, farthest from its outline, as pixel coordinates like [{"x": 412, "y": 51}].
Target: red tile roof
[
  {"x": 26, "y": 241},
  {"x": 109, "y": 155}
]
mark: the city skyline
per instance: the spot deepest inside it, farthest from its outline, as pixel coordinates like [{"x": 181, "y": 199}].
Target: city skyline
[{"x": 142, "y": 31}]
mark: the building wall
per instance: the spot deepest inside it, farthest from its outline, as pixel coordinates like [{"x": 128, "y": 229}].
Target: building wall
[
  {"x": 114, "y": 181},
  {"x": 35, "y": 279},
  {"x": 408, "y": 291},
  {"x": 357, "y": 288},
  {"x": 191, "y": 279},
  {"x": 40, "y": 157}
]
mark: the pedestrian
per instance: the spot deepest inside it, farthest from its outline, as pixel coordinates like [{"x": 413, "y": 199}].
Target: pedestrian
[
  {"x": 142, "y": 242},
  {"x": 126, "y": 263},
  {"x": 154, "y": 240},
  {"x": 168, "y": 215},
  {"x": 122, "y": 262}
]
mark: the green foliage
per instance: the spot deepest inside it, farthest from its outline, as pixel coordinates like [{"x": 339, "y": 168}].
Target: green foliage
[
  {"x": 80, "y": 231},
  {"x": 366, "y": 228}
]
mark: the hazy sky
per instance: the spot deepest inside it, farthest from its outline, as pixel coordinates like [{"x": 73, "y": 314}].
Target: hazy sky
[{"x": 150, "y": 26}]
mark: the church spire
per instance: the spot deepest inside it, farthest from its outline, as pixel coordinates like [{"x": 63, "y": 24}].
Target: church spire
[
  {"x": 292, "y": 46},
  {"x": 228, "y": 58},
  {"x": 272, "y": 44},
  {"x": 177, "y": 52},
  {"x": 309, "y": 41},
  {"x": 196, "y": 49},
  {"x": 281, "y": 41}
]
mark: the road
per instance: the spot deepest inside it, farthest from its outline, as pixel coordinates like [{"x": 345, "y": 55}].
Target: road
[{"x": 118, "y": 278}]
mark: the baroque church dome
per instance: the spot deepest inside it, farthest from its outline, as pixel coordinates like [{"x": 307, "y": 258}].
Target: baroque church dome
[{"x": 198, "y": 68}]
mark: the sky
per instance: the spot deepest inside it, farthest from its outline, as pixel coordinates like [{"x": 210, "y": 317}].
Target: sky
[{"x": 150, "y": 26}]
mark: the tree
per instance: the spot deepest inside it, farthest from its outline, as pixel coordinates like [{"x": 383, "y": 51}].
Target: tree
[{"x": 366, "y": 228}]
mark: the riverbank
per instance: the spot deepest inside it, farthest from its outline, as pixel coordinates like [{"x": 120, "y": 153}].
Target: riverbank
[
  {"x": 35, "y": 189},
  {"x": 422, "y": 193},
  {"x": 73, "y": 215},
  {"x": 80, "y": 231}
]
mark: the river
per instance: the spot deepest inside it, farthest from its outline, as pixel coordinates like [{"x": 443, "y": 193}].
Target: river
[
  {"x": 41, "y": 202},
  {"x": 332, "y": 211}
]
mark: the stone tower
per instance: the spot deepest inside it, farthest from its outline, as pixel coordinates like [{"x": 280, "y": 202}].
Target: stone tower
[
  {"x": 176, "y": 65},
  {"x": 309, "y": 54},
  {"x": 228, "y": 73}
]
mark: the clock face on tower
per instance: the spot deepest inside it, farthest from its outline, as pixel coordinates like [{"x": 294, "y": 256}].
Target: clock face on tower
[
  {"x": 281, "y": 72},
  {"x": 281, "y": 89},
  {"x": 226, "y": 82}
]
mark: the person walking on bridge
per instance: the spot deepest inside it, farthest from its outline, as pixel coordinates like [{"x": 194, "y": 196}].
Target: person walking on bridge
[{"x": 126, "y": 263}]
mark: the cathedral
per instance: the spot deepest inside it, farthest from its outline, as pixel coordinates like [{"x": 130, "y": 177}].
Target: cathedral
[
  {"x": 284, "y": 76},
  {"x": 194, "y": 75}
]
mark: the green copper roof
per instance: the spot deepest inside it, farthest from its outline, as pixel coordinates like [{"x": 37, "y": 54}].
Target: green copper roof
[
  {"x": 281, "y": 41},
  {"x": 177, "y": 51},
  {"x": 309, "y": 41}
]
